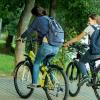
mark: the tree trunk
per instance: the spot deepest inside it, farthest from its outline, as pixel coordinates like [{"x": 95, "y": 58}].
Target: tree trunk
[
  {"x": 52, "y": 12},
  {"x": 8, "y": 46},
  {"x": 22, "y": 26},
  {"x": 52, "y": 8}
]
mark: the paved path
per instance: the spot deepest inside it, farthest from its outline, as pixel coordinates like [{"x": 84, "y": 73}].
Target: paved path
[{"x": 7, "y": 92}]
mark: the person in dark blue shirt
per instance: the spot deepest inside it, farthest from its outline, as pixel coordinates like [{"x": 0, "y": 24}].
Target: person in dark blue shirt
[{"x": 41, "y": 25}]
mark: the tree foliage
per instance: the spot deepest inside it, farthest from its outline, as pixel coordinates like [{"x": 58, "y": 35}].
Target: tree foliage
[
  {"x": 72, "y": 14},
  {"x": 10, "y": 13}
]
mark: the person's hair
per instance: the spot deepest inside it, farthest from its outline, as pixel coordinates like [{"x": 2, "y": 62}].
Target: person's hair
[
  {"x": 95, "y": 17},
  {"x": 38, "y": 11}
]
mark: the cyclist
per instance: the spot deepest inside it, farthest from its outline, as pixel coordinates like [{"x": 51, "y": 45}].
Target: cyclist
[
  {"x": 93, "y": 20},
  {"x": 40, "y": 24}
]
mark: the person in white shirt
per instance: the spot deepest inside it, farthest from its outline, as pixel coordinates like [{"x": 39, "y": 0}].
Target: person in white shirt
[{"x": 93, "y": 20}]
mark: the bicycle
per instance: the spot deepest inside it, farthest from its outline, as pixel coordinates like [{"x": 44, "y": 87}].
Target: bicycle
[
  {"x": 75, "y": 75},
  {"x": 53, "y": 78}
]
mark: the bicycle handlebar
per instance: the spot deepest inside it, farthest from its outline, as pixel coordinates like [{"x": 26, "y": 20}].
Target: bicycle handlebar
[{"x": 79, "y": 47}]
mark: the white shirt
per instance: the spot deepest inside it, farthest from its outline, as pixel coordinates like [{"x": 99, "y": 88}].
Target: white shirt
[{"x": 88, "y": 31}]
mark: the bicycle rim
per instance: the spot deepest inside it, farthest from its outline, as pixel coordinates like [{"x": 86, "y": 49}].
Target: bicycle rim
[
  {"x": 74, "y": 77},
  {"x": 97, "y": 85},
  {"x": 22, "y": 78},
  {"x": 57, "y": 89}
]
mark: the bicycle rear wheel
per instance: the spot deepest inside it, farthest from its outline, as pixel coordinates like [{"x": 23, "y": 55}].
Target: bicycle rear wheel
[
  {"x": 74, "y": 76},
  {"x": 56, "y": 87},
  {"x": 22, "y": 78},
  {"x": 96, "y": 87}
]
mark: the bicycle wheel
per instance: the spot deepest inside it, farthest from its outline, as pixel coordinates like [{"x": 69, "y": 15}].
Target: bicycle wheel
[
  {"x": 74, "y": 76},
  {"x": 96, "y": 87},
  {"x": 56, "y": 84},
  {"x": 22, "y": 78}
]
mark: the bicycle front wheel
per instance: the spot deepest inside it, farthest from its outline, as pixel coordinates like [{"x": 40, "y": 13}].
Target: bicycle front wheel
[
  {"x": 96, "y": 86},
  {"x": 73, "y": 74},
  {"x": 22, "y": 78},
  {"x": 56, "y": 84}
]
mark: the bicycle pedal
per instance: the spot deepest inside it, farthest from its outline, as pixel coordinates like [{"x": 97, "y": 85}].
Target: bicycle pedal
[
  {"x": 33, "y": 86},
  {"x": 38, "y": 86}
]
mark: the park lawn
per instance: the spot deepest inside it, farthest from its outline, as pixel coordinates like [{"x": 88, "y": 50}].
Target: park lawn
[{"x": 6, "y": 64}]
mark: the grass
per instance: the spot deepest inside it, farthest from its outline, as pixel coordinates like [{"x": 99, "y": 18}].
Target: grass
[
  {"x": 6, "y": 64},
  {"x": 6, "y": 61}
]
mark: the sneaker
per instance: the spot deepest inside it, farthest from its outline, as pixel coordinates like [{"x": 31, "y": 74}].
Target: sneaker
[
  {"x": 84, "y": 79},
  {"x": 32, "y": 86}
]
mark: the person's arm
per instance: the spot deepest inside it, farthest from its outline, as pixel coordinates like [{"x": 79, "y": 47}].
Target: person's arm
[
  {"x": 87, "y": 31},
  {"x": 31, "y": 28},
  {"x": 77, "y": 38}
]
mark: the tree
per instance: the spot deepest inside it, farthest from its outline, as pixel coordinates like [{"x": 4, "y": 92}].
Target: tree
[
  {"x": 9, "y": 12},
  {"x": 22, "y": 26},
  {"x": 52, "y": 8}
]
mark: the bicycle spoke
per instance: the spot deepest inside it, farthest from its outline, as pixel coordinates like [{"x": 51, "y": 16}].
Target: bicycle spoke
[
  {"x": 56, "y": 88},
  {"x": 74, "y": 77},
  {"x": 96, "y": 87},
  {"x": 23, "y": 78}
]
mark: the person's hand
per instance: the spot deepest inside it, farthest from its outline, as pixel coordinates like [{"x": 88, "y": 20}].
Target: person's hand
[{"x": 66, "y": 45}]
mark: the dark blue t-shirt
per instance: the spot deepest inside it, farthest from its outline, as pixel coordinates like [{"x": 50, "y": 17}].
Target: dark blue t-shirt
[{"x": 40, "y": 24}]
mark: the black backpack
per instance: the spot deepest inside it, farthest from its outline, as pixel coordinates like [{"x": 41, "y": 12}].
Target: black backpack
[{"x": 95, "y": 41}]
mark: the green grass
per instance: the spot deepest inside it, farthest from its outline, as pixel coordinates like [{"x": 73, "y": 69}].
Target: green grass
[
  {"x": 6, "y": 61},
  {"x": 6, "y": 64}
]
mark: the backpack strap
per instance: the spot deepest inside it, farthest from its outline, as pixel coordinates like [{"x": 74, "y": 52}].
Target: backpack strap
[
  {"x": 94, "y": 27},
  {"x": 48, "y": 18},
  {"x": 49, "y": 21}
]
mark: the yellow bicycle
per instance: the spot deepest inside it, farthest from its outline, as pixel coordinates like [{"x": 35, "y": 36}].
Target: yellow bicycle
[{"x": 52, "y": 78}]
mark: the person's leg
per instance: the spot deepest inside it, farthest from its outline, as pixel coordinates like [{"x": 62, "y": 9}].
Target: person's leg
[
  {"x": 82, "y": 68},
  {"x": 36, "y": 66},
  {"x": 44, "y": 50},
  {"x": 81, "y": 64},
  {"x": 84, "y": 59}
]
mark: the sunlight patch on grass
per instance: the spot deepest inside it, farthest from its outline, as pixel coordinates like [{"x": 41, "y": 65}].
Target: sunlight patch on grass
[{"x": 6, "y": 64}]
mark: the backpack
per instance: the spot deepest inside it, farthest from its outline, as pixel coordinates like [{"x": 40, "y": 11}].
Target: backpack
[
  {"x": 95, "y": 41},
  {"x": 55, "y": 34}
]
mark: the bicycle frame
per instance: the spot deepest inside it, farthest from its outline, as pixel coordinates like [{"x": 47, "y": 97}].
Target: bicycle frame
[
  {"x": 49, "y": 79},
  {"x": 44, "y": 70},
  {"x": 30, "y": 57},
  {"x": 92, "y": 67}
]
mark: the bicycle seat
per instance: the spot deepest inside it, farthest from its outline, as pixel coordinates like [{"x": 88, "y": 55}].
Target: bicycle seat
[{"x": 47, "y": 58}]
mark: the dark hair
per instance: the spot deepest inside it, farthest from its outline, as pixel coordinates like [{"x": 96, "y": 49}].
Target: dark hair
[
  {"x": 38, "y": 11},
  {"x": 95, "y": 17}
]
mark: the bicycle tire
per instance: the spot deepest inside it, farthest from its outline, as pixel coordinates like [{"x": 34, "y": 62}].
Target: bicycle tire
[
  {"x": 74, "y": 76},
  {"x": 96, "y": 87},
  {"x": 21, "y": 89},
  {"x": 59, "y": 90}
]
